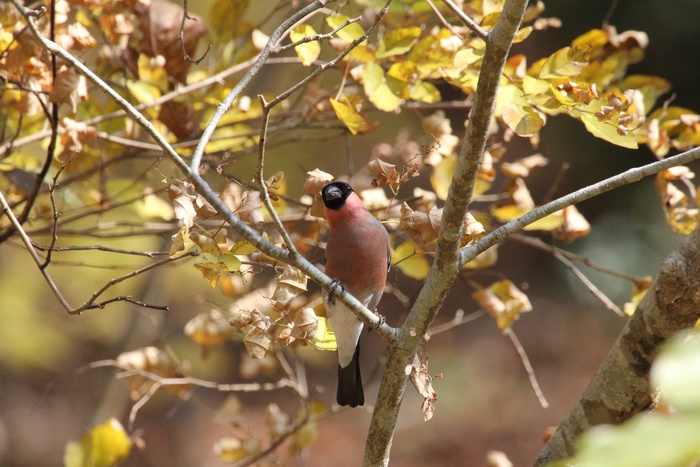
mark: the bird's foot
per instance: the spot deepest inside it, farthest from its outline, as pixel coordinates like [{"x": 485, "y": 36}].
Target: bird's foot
[
  {"x": 379, "y": 322},
  {"x": 335, "y": 284}
]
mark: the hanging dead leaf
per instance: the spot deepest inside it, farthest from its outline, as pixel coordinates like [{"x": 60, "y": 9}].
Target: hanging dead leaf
[
  {"x": 522, "y": 167},
  {"x": 74, "y": 137},
  {"x": 305, "y": 325},
  {"x": 209, "y": 330},
  {"x": 250, "y": 210},
  {"x": 385, "y": 173},
  {"x": 70, "y": 88},
  {"x": 504, "y": 302},
  {"x": 159, "y": 24},
  {"x": 421, "y": 227},
  {"x": 574, "y": 226},
  {"x": 155, "y": 361},
  {"x": 290, "y": 284},
  {"x": 418, "y": 375},
  {"x": 256, "y": 342}
]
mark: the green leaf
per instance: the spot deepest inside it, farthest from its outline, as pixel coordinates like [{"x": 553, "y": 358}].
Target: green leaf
[
  {"x": 397, "y": 42},
  {"x": 350, "y": 32},
  {"x": 607, "y": 131},
  {"x": 105, "y": 446},
  {"x": 308, "y": 52}
]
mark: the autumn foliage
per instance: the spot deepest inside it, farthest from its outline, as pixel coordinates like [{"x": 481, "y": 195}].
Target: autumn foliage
[{"x": 70, "y": 156}]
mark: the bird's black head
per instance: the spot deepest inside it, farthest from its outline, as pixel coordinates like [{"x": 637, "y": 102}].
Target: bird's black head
[{"x": 334, "y": 195}]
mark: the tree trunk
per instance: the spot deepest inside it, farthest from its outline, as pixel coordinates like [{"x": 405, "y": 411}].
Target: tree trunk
[{"x": 620, "y": 387}]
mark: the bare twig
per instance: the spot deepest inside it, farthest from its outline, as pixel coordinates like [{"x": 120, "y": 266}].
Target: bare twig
[
  {"x": 468, "y": 22},
  {"x": 528, "y": 368}
]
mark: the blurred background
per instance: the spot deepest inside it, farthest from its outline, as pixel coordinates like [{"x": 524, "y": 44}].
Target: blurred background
[{"x": 48, "y": 395}]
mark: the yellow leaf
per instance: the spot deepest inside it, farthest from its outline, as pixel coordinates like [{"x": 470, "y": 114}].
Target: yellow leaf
[
  {"x": 510, "y": 212},
  {"x": 397, "y": 42},
  {"x": 325, "y": 337},
  {"x": 211, "y": 266},
  {"x": 225, "y": 18},
  {"x": 560, "y": 65},
  {"x": 426, "y": 92},
  {"x": 242, "y": 247},
  {"x": 640, "y": 290},
  {"x": 609, "y": 132},
  {"x": 377, "y": 88},
  {"x": 522, "y": 34},
  {"x": 308, "y": 52},
  {"x": 105, "y": 446},
  {"x": 522, "y": 119},
  {"x": 351, "y": 118},
  {"x": 350, "y": 32},
  {"x": 441, "y": 177},
  {"x": 409, "y": 262}
]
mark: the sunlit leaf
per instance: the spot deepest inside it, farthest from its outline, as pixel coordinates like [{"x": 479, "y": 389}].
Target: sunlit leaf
[
  {"x": 351, "y": 118},
  {"x": 350, "y": 32},
  {"x": 426, "y": 92},
  {"x": 104, "y": 446},
  {"x": 648, "y": 440},
  {"x": 408, "y": 261},
  {"x": 511, "y": 212},
  {"x": 607, "y": 131},
  {"x": 377, "y": 89},
  {"x": 397, "y": 42},
  {"x": 560, "y": 65},
  {"x": 325, "y": 337},
  {"x": 212, "y": 266},
  {"x": 441, "y": 177},
  {"x": 522, "y": 119},
  {"x": 676, "y": 372},
  {"x": 308, "y": 52}
]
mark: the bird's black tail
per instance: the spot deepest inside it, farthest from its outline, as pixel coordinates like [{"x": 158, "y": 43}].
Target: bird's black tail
[{"x": 350, "y": 382}]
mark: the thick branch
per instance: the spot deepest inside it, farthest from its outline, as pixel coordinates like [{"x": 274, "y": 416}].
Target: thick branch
[
  {"x": 620, "y": 387},
  {"x": 445, "y": 267}
]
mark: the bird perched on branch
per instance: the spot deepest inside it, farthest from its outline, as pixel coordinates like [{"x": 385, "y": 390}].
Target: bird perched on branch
[{"x": 358, "y": 257}]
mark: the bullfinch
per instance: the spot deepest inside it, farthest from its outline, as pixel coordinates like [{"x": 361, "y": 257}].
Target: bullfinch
[{"x": 358, "y": 256}]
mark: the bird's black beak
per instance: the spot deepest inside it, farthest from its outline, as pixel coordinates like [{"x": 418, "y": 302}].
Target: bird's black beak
[{"x": 333, "y": 193}]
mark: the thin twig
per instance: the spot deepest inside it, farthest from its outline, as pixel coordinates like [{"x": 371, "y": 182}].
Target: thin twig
[
  {"x": 35, "y": 256},
  {"x": 540, "y": 245},
  {"x": 528, "y": 368},
  {"x": 459, "y": 319},
  {"x": 468, "y": 22},
  {"x": 590, "y": 286}
]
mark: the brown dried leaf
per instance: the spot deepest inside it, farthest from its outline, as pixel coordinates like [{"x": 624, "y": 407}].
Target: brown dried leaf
[
  {"x": 574, "y": 226},
  {"x": 155, "y": 361},
  {"x": 250, "y": 210},
  {"x": 179, "y": 116},
  {"x": 290, "y": 284},
  {"x": 522, "y": 167},
  {"x": 503, "y": 301},
  {"x": 305, "y": 324},
  {"x": 203, "y": 208},
  {"x": 418, "y": 374},
  {"x": 256, "y": 342},
  {"x": 74, "y": 136},
  {"x": 418, "y": 224},
  {"x": 315, "y": 181},
  {"x": 159, "y": 26},
  {"x": 69, "y": 88},
  {"x": 385, "y": 174},
  {"x": 472, "y": 230},
  {"x": 183, "y": 206},
  {"x": 209, "y": 329}
]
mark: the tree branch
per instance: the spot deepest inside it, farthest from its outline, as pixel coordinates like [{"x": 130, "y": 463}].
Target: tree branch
[
  {"x": 625, "y": 178},
  {"x": 445, "y": 267},
  {"x": 620, "y": 387}
]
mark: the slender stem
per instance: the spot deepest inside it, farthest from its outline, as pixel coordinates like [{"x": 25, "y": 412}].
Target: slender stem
[{"x": 468, "y": 22}]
